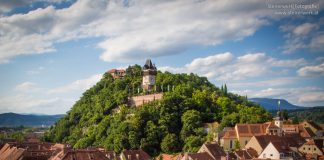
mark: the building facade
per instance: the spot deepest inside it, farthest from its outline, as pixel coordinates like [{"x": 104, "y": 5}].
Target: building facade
[{"x": 149, "y": 72}]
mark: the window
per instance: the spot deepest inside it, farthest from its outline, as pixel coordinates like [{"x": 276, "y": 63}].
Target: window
[
  {"x": 304, "y": 148},
  {"x": 309, "y": 149},
  {"x": 282, "y": 155},
  {"x": 246, "y": 142},
  {"x": 271, "y": 155},
  {"x": 314, "y": 149},
  {"x": 264, "y": 155},
  {"x": 231, "y": 144}
]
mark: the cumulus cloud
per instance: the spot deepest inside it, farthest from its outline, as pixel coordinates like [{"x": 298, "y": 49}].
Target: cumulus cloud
[
  {"x": 226, "y": 67},
  {"x": 26, "y": 87},
  {"x": 261, "y": 83},
  {"x": 78, "y": 85},
  {"x": 56, "y": 101},
  {"x": 307, "y": 96},
  {"x": 7, "y": 6},
  {"x": 303, "y": 36},
  {"x": 311, "y": 71},
  {"x": 134, "y": 30}
]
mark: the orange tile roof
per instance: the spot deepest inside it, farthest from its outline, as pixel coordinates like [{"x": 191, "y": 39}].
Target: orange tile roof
[
  {"x": 199, "y": 156},
  {"x": 230, "y": 134},
  {"x": 214, "y": 150},
  {"x": 84, "y": 154},
  {"x": 249, "y": 130},
  {"x": 281, "y": 147},
  {"x": 133, "y": 154}
]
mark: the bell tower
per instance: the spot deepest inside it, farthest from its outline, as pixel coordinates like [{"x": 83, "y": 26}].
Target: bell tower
[
  {"x": 279, "y": 120},
  {"x": 149, "y": 72}
]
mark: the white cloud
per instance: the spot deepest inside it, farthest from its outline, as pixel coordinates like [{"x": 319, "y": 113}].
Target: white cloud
[
  {"x": 312, "y": 97},
  {"x": 303, "y": 36},
  {"x": 206, "y": 63},
  {"x": 25, "y": 103},
  {"x": 226, "y": 67},
  {"x": 26, "y": 87},
  {"x": 139, "y": 29},
  {"x": 287, "y": 63},
  {"x": 28, "y": 97},
  {"x": 261, "y": 83},
  {"x": 35, "y": 71},
  {"x": 304, "y": 96},
  {"x": 78, "y": 85},
  {"x": 311, "y": 71},
  {"x": 7, "y": 6},
  {"x": 304, "y": 29}
]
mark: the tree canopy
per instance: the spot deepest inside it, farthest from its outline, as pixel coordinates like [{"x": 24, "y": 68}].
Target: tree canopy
[{"x": 102, "y": 117}]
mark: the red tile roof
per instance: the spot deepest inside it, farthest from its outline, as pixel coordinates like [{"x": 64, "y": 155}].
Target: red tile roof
[
  {"x": 249, "y": 130},
  {"x": 230, "y": 134},
  {"x": 168, "y": 157},
  {"x": 243, "y": 154},
  {"x": 84, "y": 154},
  {"x": 294, "y": 139},
  {"x": 264, "y": 140},
  {"x": 199, "y": 156},
  {"x": 111, "y": 155},
  {"x": 136, "y": 155},
  {"x": 214, "y": 150},
  {"x": 281, "y": 147},
  {"x": 10, "y": 152}
]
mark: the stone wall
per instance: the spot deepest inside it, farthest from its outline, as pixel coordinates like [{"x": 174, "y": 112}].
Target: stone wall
[{"x": 139, "y": 100}]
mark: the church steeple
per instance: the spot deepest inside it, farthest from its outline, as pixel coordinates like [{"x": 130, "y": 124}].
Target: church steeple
[
  {"x": 278, "y": 119},
  {"x": 279, "y": 113}
]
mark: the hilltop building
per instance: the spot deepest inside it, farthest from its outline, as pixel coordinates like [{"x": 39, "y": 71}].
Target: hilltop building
[
  {"x": 149, "y": 72},
  {"x": 117, "y": 73}
]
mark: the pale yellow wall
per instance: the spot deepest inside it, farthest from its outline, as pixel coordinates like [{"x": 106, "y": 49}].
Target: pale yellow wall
[
  {"x": 225, "y": 143},
  {"x": 243, "y": 141},
  {"x": 311, "y": 149},
  {"x": 253, "y": 143}
]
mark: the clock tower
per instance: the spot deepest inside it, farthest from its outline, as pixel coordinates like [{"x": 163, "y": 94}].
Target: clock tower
[{"x": 149, "y": 72}]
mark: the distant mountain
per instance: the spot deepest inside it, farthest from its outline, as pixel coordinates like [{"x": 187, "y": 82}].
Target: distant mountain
[
  {"x": 272, "y": 104},
  {"x": 14, "y": 119}
]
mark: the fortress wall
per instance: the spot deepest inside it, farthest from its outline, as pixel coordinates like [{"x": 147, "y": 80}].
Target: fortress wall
[{"x": 138, "y": 100}]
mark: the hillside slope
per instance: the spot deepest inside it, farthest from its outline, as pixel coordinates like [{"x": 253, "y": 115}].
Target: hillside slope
[
  {"x": 102, "y": 117},
  {"x": 14, "y": 119},
  {"x": 272, "y": 104}
]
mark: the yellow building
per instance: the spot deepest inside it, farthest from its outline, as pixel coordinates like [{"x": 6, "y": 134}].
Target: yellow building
[{"x": 313, "y": 146}]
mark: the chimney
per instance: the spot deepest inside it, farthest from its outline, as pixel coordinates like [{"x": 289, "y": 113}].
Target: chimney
[
  {"x": 129, "y": 157},
  {"x": 137, "y": 156}
]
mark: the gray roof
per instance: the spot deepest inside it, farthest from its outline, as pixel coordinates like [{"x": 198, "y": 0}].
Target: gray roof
[{"x": 149, "y": 65}]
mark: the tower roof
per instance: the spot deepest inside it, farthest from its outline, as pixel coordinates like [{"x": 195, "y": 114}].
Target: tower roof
[{"x": 149, "y": 65}]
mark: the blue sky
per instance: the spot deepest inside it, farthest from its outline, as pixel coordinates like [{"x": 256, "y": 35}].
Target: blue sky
[{"x": 52, "y": 51}]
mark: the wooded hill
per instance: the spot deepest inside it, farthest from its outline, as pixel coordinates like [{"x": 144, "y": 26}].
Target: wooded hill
[{"x": 102, "y": 118}]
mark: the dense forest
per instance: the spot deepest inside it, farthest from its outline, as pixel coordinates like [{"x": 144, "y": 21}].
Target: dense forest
[
  {"x": 315, "y": 114},
  {"x": 102, "y": 118}
]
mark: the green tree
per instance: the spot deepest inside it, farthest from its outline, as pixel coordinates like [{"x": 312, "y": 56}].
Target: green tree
[
  {"x": 225, "y": 89},
  {"x": 224, "y": 103},
  {"x": 170, "y": 144},
  {"x": 237, "y": 145},
  {"x": 192, "y": 144},
  {"x": 191, "y": 120}
]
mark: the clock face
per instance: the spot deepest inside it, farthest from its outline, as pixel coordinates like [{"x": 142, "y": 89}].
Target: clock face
[{"x": 152, "y": 80}]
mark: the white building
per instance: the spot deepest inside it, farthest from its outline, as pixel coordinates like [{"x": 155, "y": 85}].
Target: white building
[{"x": 276, "y": 150}]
